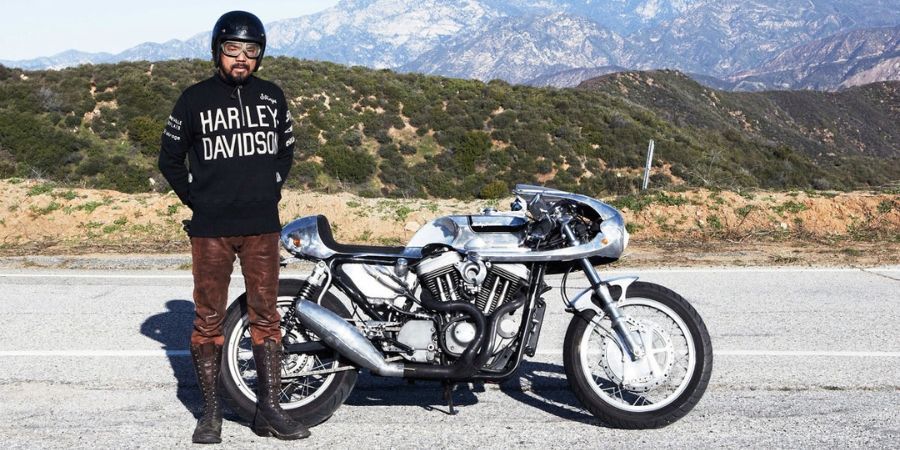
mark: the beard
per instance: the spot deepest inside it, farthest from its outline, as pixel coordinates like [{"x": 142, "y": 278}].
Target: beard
[{"x": 239, "y": 78}]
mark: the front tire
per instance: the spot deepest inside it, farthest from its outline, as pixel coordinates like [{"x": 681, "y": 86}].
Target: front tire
[
  {"x": 653, "y": 391},
  {"x": 309, "y": 399}
]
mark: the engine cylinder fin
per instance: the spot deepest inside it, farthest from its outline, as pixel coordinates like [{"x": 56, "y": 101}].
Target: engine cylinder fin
[
  {"x": 451, "y": 287},
  {"x": 483, "y": 301},
  {"x": 443, "y": 285}
]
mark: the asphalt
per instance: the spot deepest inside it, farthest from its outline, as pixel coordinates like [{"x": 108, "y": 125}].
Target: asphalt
[{"x": 804, "y": 357}]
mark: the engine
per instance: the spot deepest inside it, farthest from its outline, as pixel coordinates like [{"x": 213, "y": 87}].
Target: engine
[
  {"x": 422, "y": 336},
  {"x": 450, "y": 277}
]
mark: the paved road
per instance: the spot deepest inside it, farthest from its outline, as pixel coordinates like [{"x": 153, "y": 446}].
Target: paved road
[{"x": 804, "y": 358}]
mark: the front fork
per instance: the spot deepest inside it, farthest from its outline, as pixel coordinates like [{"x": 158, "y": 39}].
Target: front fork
[{"x": 607, "y": 303}]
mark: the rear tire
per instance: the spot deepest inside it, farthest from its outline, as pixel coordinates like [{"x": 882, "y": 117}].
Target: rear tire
[
  {"x": 644, "y": 393},
  {"x": 319, "y": 396}
]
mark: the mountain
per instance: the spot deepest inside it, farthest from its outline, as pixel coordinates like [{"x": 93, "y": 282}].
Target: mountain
[
  {"x": 522, "y": 48},
  {"x": 68, "y": 58},
  {"x": 377, "y": 33},
  {"x": 621, "y": 16},
  {"x": 770, "y": 43},
  {"x": 572, "y": 77},
  {"x": 719, "y": 38},
  {"x": 195, "y": 47},
  {"x": 886, "y": 69},
  {"x": 844, "y": 59}
]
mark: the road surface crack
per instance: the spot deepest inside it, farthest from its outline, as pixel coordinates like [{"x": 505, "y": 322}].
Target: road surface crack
[{"x": 880, "y": 275}]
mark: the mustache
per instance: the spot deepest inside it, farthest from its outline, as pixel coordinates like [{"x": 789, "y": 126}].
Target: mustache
[{"x": 240, "y": 66}]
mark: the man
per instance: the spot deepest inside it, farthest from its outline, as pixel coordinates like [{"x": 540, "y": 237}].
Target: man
[{"x": 235, "y": 130}]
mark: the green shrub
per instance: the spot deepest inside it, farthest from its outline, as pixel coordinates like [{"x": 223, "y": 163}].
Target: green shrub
[
  {"x": 494, "y": 189},
  {"x": 145, "y": 132},
  {"x": 346, "y": 164},
  {"x": 36, "y": 144}
]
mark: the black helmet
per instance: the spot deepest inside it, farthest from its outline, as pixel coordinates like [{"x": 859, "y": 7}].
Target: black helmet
[{"x": 238, "y": 26}]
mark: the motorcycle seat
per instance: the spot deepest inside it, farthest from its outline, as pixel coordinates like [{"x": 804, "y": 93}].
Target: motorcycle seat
[{"x": 325, "y": 234}]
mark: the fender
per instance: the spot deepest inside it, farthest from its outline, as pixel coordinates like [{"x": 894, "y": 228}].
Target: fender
[{"x": 582, "y": 301}]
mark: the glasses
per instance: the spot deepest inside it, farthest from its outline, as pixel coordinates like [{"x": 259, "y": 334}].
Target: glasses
[{"x": 234, "y": 49}]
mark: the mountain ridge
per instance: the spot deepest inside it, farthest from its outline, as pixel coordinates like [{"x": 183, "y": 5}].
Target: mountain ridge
[{"x": 709, "y": 38}]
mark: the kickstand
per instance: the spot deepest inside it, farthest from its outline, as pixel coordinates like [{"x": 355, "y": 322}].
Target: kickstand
[{"x": 448, "y": 397}]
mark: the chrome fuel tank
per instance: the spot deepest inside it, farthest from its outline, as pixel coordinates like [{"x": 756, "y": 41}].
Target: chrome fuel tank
[{"x": 500, "y": 236}]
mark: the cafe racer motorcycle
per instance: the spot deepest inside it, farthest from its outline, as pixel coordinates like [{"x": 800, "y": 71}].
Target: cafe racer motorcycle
[{"x": 463, "y": 301}]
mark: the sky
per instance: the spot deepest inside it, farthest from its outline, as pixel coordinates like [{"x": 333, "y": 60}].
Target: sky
[{"x": 36, "y": 28}]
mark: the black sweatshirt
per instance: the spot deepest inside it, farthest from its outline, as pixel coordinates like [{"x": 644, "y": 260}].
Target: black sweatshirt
[{"x": 239, "y": 144}]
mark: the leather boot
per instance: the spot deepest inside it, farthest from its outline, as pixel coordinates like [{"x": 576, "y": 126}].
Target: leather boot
[
  {"x": 207, "y": 359},
  {"x": 270, "y": 419}
]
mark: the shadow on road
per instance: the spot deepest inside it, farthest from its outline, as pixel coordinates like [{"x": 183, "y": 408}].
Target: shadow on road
[
  {"x": 535, "y": 384},
  {"x": 544, "y": 386},
  {"x": 378, "y": 391},
  {"x": 172, "y": 329},
  {"x": 538, "y": 385}
]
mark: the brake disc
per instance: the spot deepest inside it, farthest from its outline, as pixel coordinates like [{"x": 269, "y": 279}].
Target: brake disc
[{"x": 647, "y": 372}]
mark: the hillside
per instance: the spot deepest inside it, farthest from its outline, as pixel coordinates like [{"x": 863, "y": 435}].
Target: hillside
[
  {"x": 378, "y": 133},
  {"x": 837, "y": 131},
  {"x": 710, "y": 227}
]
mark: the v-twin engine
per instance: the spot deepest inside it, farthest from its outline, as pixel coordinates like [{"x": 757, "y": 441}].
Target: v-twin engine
[{"x": 449, "y": 277}]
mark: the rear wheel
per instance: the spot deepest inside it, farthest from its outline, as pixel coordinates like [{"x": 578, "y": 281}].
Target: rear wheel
[
  {"x": 655, "y": 390},
  {"x": 311, "y": 389}
]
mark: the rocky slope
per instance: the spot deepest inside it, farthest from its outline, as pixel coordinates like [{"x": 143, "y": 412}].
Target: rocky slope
[{"x": 842, "y": 60}]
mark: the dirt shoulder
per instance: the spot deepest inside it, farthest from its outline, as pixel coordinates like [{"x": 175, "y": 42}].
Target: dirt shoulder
[{"x": 43, "y": 220}]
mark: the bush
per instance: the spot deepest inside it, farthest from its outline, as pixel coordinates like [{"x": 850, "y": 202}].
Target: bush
[
  {"x": 36, "y": 143},
  {"x": 494, "y": 189},
  {"x": 304, "y": 173},
  {"x": 474, "y": 147},
  {"x": 146, "y": 132},
  {"x": 352, "y": 139},
  {"x": 439, "y": 184},
  {"x": 72, "y": 121},
  {"x": 346, "y": 164}
]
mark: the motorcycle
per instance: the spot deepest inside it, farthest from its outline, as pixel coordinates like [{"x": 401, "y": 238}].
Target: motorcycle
[{"x": 463, "y": 302}]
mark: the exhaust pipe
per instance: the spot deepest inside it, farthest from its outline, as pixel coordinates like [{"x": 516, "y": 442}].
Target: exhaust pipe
[{"x": 345, "y": 338}]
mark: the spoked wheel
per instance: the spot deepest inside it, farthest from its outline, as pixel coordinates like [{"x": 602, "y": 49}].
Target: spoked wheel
[
  {"x": 311, "y": 387},
  {"x": 652, "y": 391}
]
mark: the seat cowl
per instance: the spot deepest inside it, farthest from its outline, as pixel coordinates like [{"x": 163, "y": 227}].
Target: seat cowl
[{"x": 327, "y": 238}]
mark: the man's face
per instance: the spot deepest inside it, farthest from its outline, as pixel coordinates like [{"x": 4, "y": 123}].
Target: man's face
[{"x": 236, "y": 68}]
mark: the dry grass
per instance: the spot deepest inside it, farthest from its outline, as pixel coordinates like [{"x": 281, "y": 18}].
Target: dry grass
[{"x": 39, "y": 217}]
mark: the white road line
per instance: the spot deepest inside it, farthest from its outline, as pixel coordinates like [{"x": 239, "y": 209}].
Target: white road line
[
  {"x": 806, "y": 353},
  {"x": 96, "y": 353},
  {"x": 124, "y": 276},
  {"x": 636, "y": 271},
  {"x": 102, "y": 276},
  {"x": 159, "y": 353}
]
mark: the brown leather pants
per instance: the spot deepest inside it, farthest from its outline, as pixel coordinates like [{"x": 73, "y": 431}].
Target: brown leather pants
[{"x": 213, "y": 260}]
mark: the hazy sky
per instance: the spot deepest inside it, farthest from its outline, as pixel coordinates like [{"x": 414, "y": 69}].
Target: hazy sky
[{"x": 33, "y": 28}]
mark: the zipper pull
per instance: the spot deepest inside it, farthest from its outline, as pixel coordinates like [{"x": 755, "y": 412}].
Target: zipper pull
[{"x": 241, "y": 104}]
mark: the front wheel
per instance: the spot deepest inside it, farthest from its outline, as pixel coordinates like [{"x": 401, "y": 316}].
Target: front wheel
[
  {"x": 312, "y": 389},
  {"x": 655, "y": 390}
]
